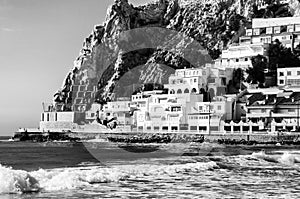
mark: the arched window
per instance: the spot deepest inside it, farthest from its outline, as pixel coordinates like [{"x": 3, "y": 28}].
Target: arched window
[
  {"x": 172, "y": 92},
  {"x": 194, "y": 90},
  {"x": 186, "y": 90},
  {"x": 179, "y": 91}
]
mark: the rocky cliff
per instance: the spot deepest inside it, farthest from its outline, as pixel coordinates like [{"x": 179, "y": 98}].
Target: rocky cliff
[{"x": 145, "y": 44}]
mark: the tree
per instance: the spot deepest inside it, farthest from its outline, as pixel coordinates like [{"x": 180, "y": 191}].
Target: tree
[
  {"x": 256, "y": 73},
  {"x": 234, "y": 85},
  {"x": 282, "y": 57}
]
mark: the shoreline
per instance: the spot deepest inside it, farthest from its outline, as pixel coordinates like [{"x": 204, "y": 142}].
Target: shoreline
[{"x": 286, "y": 138}]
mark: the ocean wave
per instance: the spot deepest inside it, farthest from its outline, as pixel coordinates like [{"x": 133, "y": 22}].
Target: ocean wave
[
  {"x": 18, "y": 181},
  {"x": 285, "y": 158}
]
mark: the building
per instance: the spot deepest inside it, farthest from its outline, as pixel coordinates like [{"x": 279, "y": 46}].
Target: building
[
  {"x": 257, "y": 39},
  {"x": 165, "y": 112},
  {"x": 119, "y": 110},
  {"x": 91, "y": 114},
  {"x": 195, "y": 80},
  {"x": 266, "y": 31},
  {"x": 206, "y": 117},
  {"x": 60, "y": 121},
  {"x": 274, "y": 108},
  {"x": 239, "y": 56},
  {"x": 288, "y": 76}
]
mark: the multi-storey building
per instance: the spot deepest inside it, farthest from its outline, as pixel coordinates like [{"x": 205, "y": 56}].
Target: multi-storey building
[
  {"x": 239, "y": 56},
  {"x": 288, "y": 76},
  {"x": 257, "y": 39},
  {"x": 276, "y": 108},
  {"x": 163, "y": 111},
  {"x": 207, "y": 116},
  {"x": 213, "y": 79},
  {"x": 266, "y": 31},
  {"x": 119, "y": 110}
]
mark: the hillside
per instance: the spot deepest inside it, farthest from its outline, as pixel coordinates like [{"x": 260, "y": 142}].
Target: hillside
[{"x": 145, "y": 44}]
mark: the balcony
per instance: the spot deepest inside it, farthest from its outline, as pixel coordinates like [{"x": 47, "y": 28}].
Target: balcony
[
  {"x": 257, "y": 115},
  {"x": 284, "y": 115}
]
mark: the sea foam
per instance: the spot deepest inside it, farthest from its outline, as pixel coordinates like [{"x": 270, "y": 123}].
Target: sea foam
[
  {"x": 18, "y": 181},
  {"x": 286, "y": 158}
]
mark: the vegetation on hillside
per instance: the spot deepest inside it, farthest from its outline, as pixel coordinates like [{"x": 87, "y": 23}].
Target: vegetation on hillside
[{"x": 278, "y": 56}]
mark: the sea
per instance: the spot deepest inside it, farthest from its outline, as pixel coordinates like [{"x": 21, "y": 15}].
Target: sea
[{"x": 101, "y": 169}]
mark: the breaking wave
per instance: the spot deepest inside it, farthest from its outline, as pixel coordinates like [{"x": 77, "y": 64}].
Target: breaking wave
[
  {"x": 286, "y": 158},
  {"x": 15, "y": 181},
  {"x": 19, "y": 181}
]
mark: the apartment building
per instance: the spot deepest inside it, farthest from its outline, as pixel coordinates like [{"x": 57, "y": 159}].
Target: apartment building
[{"x": 288, "y": 76}]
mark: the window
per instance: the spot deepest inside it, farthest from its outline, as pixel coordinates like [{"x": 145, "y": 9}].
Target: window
[
  {"x": 246, "y": 59},
  {"x": 298, "y": 72},
  {"x": 219, "y": 107},
  {"x": 236, "y": 60},
  {"x": 277, "y": 29},
  {"x": 293, "y": 82},
  {"x": 193, "y": 128},
  {"x": 289, "y": 73},
  {"x": 281, "y": 81},
  {"x": 195, "y": 80},
  {"x": 202, "y": 128},
  {"x": 200, "y": 108},
  {"x": 140, "y": 128},
  {"x": 281, "y": 74}
]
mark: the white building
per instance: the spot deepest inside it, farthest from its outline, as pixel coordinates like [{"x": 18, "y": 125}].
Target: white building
[
  {"x": 206, "y": 117},
  {"x": 192, "y": 80},
  {"x": 239, "y": 56},
  {"x": 266, "y": 31},
  {"x": 166, "y": 112},
  {"x": 120, "y": 110},
  {"x": 288, "y": 76}
]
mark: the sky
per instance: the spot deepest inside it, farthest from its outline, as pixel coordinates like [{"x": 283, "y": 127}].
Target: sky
[{"x": 39, "y": 40}]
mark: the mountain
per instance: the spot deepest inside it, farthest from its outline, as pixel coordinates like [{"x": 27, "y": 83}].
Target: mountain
[{"x": 144, "y": 44}]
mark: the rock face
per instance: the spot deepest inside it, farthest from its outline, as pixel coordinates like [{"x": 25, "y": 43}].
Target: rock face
[{"x": 145, "y": 44}]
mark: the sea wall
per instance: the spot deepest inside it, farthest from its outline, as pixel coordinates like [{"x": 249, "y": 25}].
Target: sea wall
[{"x": 185, "y": 137}]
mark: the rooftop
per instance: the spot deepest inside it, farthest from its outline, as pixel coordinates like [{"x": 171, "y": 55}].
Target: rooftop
[{"x": 283, "y": 21}]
